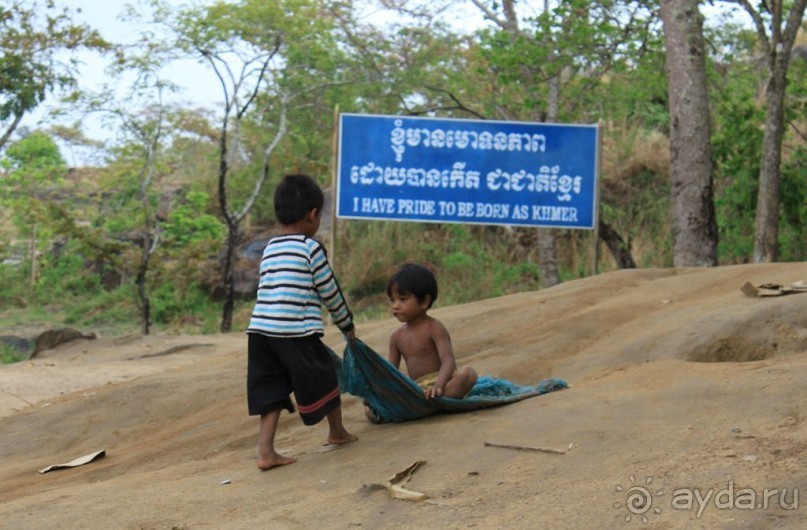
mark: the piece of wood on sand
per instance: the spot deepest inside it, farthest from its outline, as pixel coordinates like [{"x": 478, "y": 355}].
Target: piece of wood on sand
[{"x": 526, "y": 448}]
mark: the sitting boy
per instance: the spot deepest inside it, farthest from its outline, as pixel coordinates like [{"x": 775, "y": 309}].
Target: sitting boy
[{"x": 423, "y": 341}]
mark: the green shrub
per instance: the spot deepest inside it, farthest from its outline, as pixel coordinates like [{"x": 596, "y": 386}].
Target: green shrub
[
  {"x": 9, "y": 357},
  {"x": 14, "y": 285},
  {"x": 190, "y": 309},
  {"x": 65, "y": 278},
  {"x": 110, "y": 312}
]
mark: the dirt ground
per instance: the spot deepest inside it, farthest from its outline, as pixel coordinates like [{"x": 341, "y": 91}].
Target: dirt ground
[{"x": 686, "y": 409}]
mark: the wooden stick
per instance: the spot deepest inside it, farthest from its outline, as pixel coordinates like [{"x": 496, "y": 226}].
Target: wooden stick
[{"x": 525, "y": 448}]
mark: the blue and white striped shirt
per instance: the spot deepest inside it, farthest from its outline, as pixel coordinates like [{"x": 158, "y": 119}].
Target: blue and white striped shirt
[{"x": 295, "y": 280}]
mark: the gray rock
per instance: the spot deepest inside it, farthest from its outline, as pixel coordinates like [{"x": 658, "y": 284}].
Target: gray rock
[
  {"x": 51, "y": 338},
  {"x": 18, "y": 344}
]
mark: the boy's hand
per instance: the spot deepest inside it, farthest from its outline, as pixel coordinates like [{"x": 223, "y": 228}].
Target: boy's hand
[
  {"x": 351, "y": 334},
  {"x": 433, "y": 392}
]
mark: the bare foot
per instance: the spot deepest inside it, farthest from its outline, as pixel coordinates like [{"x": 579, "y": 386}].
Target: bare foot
[
  {"x": 274, "y": 461},
  {"x": 343, "y": 438}
]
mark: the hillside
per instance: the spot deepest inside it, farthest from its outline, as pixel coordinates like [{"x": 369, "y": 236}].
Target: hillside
[{"x": 679, "y": 382}]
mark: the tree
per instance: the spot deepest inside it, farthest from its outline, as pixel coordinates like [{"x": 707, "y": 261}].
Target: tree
[
  {"x": 254, "y": 48},
  {"x": 33, "y": 40},
  {"x": 545, "y": 238},
  {"x": 558, "y": 59},
  {"x": 777, "y": 45},
  {"x": 147, "y": 129},
  {"x": 136, "y": 111},
  {"x": 548, "y": 67},
  {"x": 33, "y": 171},
  {"x": 694, "y": 226}
]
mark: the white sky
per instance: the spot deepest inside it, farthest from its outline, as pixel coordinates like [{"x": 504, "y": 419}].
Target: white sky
[
  {"x": 198, "y": 84},
  {"x": 103, "y": 15}
]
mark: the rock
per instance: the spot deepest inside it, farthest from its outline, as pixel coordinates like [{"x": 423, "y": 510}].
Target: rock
[
  {"x": 18, "y": 344},
  {"x": 51, "y": 338}
]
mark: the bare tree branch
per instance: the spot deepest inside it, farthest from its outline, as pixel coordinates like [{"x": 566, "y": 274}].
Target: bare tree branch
[{"x": 10, "y": 130}]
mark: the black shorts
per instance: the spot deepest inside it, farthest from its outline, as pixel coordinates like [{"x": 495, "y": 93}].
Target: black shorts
[{"x": 279, "y": 366}]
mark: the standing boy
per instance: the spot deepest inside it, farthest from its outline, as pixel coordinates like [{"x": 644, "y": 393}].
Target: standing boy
[
  {"x": 423, "y": 341},
  {"x": 285, "y": 351}
]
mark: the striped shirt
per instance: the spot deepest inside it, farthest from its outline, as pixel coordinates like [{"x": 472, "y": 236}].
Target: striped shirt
[{"x": 295, "y": 280}]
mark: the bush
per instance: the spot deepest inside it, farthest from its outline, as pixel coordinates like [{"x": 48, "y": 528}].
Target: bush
[
  {"x": 111, "y": 312},
  {"x": 470, "y": 262},
  {"x": 189, "y": 310},
  {"x": 10, "y": 355}
]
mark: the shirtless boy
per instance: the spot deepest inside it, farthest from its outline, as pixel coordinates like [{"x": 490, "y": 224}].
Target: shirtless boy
[{"x": 423, "y": 341}]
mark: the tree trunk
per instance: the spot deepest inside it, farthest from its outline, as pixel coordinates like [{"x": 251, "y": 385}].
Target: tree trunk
[
  {"x": 694, "y": 226},
  {"x": 619, "y": 249},
  {"x": 547, "y": 237},
  {"x": 227, "y": 275},
  {"x": 228, "y": 279},
  {"x": 548, "y": 256},
  {"x": 779, "y": 47},
  {"x": 33, "y": 256},
  {"x": 142, "y": 291},
  {"x": 544, "y": 237},
  {"x": 766, "y": 247}
]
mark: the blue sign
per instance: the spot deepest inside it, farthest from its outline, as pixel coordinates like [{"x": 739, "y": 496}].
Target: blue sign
[{"x": 467, "y": 171}]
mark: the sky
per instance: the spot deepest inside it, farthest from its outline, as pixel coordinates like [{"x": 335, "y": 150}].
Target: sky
[
  {"x": 104, "y": 16},
  {"x": 198, "y": 85}
]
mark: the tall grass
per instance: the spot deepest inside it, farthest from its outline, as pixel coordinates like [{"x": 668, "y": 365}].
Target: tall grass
[{"x": 470, "y": 262}]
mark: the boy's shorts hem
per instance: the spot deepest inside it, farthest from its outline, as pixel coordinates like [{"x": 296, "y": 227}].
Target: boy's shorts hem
[
  {"x": 271, "y": 407},
  {"x": 302, "y": 365}
]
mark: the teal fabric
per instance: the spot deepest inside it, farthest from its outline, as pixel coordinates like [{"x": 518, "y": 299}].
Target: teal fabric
[{"x": 394, "y": 397}]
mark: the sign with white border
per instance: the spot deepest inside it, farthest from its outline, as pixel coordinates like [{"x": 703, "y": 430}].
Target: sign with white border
[{"x": 467, "y": 171}]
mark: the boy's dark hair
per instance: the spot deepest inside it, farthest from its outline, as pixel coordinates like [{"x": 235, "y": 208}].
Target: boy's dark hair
[
  {"x": 295, "y": 196},
  {"x": 411, "y": 278}
]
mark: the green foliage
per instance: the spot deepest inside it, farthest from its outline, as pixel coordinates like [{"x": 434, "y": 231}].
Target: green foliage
[
  {"x": 188, "y": 224},
  {"x": 10, "y": 355},
  {"x": 112, "y": 311},
  {"x": 737, "y": 130},
  {"x": 737, "y": 155},
  {"x": 64, "y": 278},
  {"x": 608, "y": 57},
  {"x": 793, "y": 229},
  {"x": 33, "y": 176},
  {"x": 33, "y": 170},
  {"x": 737, "y": 149},
  {"x": 586, "y": 47},
  {"x": 33, "y": 39},
  {"x": 34, "y": 154},
  {"x": 470, "y": 262},
  {"x": 188, "y": 309},
  {"x": 636, "y": 94},
  {"x": 729, "y": 42},
  {"x": 14, "y": 285},
  {"x": 793, "y": 218}
]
